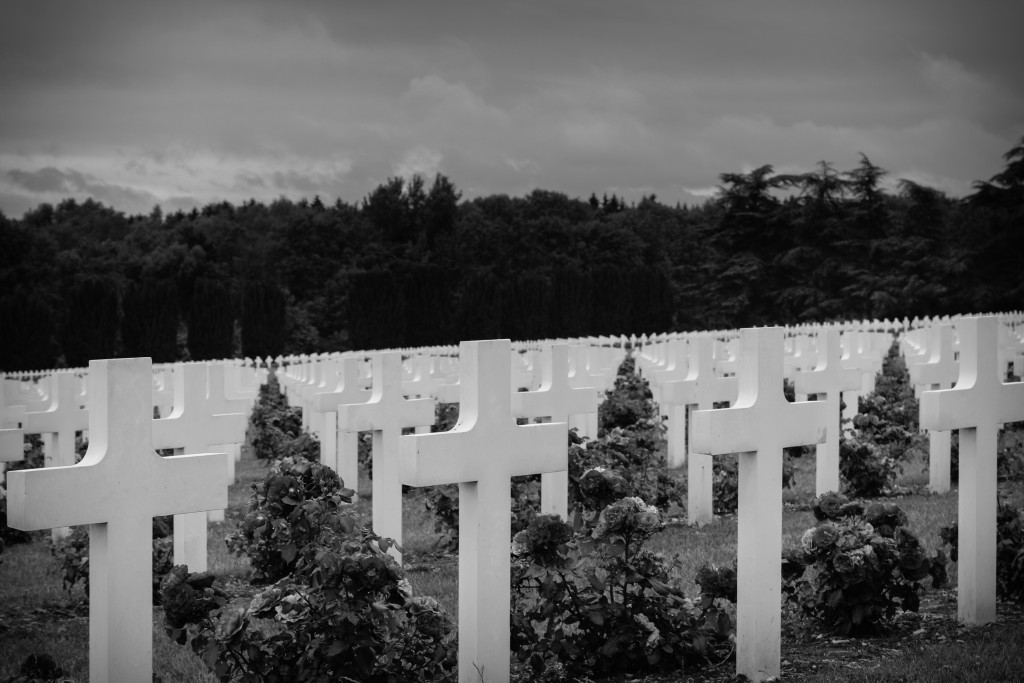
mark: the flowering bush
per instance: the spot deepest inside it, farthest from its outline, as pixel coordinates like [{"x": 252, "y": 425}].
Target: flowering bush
[
  {"x": 1009, "y": 550},
  {"x": 725, "y": 481},
  {"x": 628, "y": 402},
  {"x": 346, "y": 613},
  {"x": 591, "y": 600},
  {"x": 863, "y": 564},
  {"x": 72, "y": 556},
  {"x": 867, "y": 470},
  {"x": 276, "y": 429},
  {"x": 286, "y": 511}
]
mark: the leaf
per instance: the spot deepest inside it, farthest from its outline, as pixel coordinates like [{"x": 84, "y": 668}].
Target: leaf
[
  {"x": 288, "y": 552},
  {"x": 335, "y": 648}
]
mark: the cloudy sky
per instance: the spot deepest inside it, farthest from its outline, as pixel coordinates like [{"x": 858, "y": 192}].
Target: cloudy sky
[{"x": 188, "y": 102}]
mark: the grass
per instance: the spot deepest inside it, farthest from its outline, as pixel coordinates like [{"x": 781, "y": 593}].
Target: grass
[{"x": 37, "y": 615}]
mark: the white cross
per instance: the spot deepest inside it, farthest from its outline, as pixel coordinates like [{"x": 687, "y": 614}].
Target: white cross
[
  {"x": 191, "y": 428},
  {"x": 938, "y": 371},
  {"x": 339, "y": 450},
  {"x": 117, "y": 488},
  {"x": 701, "y": 389},
  {"x": 977, "y": 406},
  {"x": 481, "y": 454},
  {"x": 554, "y": 401},
  {"x": 386, "y": 414},
  {"x": 828, "y": 377},
  {"x": 758, "y": 427}
]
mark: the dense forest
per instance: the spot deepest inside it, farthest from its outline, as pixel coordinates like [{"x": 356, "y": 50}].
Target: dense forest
[{"x": 414, "y": 264}]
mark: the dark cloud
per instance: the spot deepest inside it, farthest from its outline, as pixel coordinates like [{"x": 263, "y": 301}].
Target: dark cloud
[{"x": 137, "y": 102}]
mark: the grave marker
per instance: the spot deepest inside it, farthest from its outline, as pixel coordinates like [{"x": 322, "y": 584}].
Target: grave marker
[
  {"x": 339, "y": 450},
  {"x": 828, "y": 377},
  {"x": 554, "y": 401},
  {"x": 758, "y": 427},
  {"x": 386, "y": 414},
  {"x": 701, "y": 389},
  {"x": 191, "y": 428},
  {"x": 117, "y": 488},
  {"x": 977, "y": 406},
  {"x": 481, "y": 454},
  {"x": 939, "y": 371}
]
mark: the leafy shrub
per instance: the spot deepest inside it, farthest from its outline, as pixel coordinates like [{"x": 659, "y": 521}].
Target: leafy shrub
[
  {"x": 627, "y": 403},
  {"x": 1009, "y": 550},
  {"x": 287, "y": 510},
  {"x": 72, "y": 556},
  {"x": 863, "y": 565},
  {"x": 591, "y": 600},
  {"x": 636, "y": 454},
  {"x": 725, "y": 481},
  {"x": 274, "y": 425},
  {"x": 866, "y": 469},
  {"x": 346, "y": 613}
]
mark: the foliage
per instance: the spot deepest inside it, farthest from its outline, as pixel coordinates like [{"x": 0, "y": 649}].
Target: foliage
[
  {"x": 628, "y": 402},
  {"x": 275, "y": 428},
  {"x": 263, "y": 319},
  {"x": 725, "y": 481},
  {"x": 40, "y": 668},
  {"x": 211, "y": 320},
  {"x": 589, "y": 600},
  {"x": 345, "y": 611},
  {"x": 150, "y": 324},
  {"x": 1009, "y": 550},
  {"x": 872, "y": 455},
  {"x": 287, "y": 511},
  {"x": 867, "y": 470},
  {"x": 858, "y": 566},
  {"x": 71, "y": 556}
]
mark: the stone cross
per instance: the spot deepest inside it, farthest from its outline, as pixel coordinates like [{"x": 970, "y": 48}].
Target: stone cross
[
  {"x": 117, "y": 488},
  {"x": 830, "y": 378},
  {"x": 221, "y": 404},
  {"x": 481, "y": 454},
  {"x": 758, "y": 427},
  {"x": 386, "y": 414},
  {"x": 191, "y": 428},
  {"x": 339, "y": 450},
  {"x": 978, "y": 405},
  {"x": 938, "y": 371},
  {"x": 701, "y": 389},
  {"x": 60, "y": 420},
  {"x": 554, "y": 401}
]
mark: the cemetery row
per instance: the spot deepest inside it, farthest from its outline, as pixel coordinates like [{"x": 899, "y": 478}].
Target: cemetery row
[{"x": 116, "y": 490}]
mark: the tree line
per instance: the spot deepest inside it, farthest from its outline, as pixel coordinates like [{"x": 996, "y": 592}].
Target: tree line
[{"x": 414, "y": 264}]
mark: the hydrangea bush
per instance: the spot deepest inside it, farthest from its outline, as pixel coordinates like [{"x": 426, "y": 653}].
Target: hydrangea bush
[
  {"x": 589, "y": 599},
  {"x": 1009, "y": 550},
  {"x": 287, "y": 510},
  {"x": 858, "y": 566}
]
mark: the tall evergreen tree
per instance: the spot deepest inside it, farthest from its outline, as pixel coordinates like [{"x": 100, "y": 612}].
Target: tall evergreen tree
[
  {"x": 150, "y": 323},
  {"x": 263, "y": 319},
  {"x": 211, "y": 320},
  {"x": 91, "y": 323}
]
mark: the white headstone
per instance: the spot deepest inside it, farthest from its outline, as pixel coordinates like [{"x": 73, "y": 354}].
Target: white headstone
[
  {"x": 482, "y": 453},
  {"x": 701, "y": 389},
  {"x": 830, "y": 378},
  {"x": 191, "y": 428},
  {"x": 386, "y": 414},
  {"x": 977, "y": 406},
  {"x": 938, "y": 371},
  {"x": 117, "y": 488},
  {"x": 339, "y": 450},
  {"x": 758, "y": 427},
  {"x": 554, "y": 401}
]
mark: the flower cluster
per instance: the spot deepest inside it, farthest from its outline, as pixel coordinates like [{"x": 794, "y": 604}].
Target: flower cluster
[
  {"x": 628, "y": 519},
  {"x": 865, "y": 564},
  {"x": 544, "y": 541}
]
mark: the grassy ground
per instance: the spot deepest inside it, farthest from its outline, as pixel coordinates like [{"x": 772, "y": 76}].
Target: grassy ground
[{"x": 36, "y": 615}]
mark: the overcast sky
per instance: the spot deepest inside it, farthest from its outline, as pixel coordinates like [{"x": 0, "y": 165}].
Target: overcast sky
[{"x": 189, "y": 102}]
